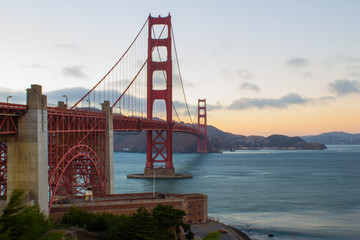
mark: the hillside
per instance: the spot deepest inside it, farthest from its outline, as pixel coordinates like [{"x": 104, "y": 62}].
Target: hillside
[
  {"x": 335, "y": 138},
  {"x": 218, "y": 141}
]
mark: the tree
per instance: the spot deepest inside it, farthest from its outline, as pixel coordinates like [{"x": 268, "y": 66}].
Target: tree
[
  {"x": 159, "y": 224},
  {"x": 20, "y": 221}
]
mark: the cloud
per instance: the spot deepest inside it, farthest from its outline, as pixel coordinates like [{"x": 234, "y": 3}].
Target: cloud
[
  {"x": 73, "y": 94},
  {"x": 348, "y": 59},
  {"x": 68, "y": 46},
  {"x": 249, "y": 86},
  {"x": 16, "y": 96},
  {"x": 74, "y": 71},
  {"x": 352, "y": 71},
  {"x": 283, "y": 102},
  {"x": 34, "y": 66},
  {"x": 326, "y": 99},
  {"x": 298, "y": 62},
  {"x": 193, "y": 108},
  {"x": 345, "y": 87},
  {"x": 308, "y": 75},
  {"x": 210, "y": 107},
  {"x": 341, "y": 60},
  {"x": 238, "y": 73},
  {"x": 177, "y": 82}
]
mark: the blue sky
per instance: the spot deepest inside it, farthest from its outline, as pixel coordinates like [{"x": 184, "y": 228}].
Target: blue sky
[{"x": 290, "y": 67}]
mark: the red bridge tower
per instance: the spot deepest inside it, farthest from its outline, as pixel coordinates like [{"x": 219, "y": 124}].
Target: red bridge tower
[
  {"x": 202, "y": 141},
  {"x": 159, "y": 142}
]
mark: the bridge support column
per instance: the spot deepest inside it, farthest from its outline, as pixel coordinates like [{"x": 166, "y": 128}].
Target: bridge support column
[
  {"x": 109, "y": 138},
  {"x": 28, "y": 152},
  {"x": 202, "y": 126}
]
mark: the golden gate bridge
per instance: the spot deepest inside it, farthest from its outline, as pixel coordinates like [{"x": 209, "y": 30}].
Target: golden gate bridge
[{"x": 60, "y": 151}]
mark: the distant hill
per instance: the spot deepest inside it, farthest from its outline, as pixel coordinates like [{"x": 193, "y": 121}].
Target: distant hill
[
  {"x": 217, "y": 141},
  {"x": 335, "y": 138}
]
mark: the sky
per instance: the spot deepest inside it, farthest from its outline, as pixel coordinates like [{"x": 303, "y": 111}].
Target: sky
[{"x": 265, "y": 67}]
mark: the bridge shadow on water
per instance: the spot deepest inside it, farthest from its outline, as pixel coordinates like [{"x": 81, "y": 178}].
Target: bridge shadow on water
[
  {"x": 184, "y": 164},
  {"x": 188, "y": 163}
]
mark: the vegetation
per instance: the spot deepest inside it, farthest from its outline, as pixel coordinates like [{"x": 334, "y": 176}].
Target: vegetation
[
  {"x": 21, "y": 221},
  {"x": 212, "y": 236},
  {"x": 162, "y": 223}
]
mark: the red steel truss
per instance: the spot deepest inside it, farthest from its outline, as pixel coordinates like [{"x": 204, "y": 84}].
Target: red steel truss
[
  {"x": 3, "y": 166},
  {"x": 76, "y": 146},
  {"x": 159, "y": 143},
  {"x": 202, "y": 126},
  {"x": 76, "y": 152},
  {"x": 9, "y": 114}
]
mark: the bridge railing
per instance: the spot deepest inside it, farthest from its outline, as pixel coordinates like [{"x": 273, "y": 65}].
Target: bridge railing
[
  {"x": 123, "y": 123},
  {"x": 12, "y": 107}
]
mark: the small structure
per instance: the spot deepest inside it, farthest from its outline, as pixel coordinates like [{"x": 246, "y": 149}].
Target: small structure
[{"x": 89, "y": 194}]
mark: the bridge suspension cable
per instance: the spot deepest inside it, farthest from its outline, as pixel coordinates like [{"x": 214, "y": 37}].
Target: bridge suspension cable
[
  {"x": 181, "y": 81},
  {"x": 142, "y": 67},
  {"x": 124, "y": 85},
  {"x": 119, "y": 80}
]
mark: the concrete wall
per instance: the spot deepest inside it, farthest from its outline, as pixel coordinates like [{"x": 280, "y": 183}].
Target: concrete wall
[
  {"x": 196, "y": 208},
  {"x": 194, "y": 205},
  {"x": 28, "y": 152}
]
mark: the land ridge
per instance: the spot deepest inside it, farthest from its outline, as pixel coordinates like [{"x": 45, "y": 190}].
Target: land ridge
[{"x": 218, "y": 141}]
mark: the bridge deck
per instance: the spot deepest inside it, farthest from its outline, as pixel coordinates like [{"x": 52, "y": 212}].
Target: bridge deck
[{"x": 9, "y": 113}]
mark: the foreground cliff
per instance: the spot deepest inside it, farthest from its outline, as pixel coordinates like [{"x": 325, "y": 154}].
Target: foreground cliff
[{"x": 218, "y": 141}]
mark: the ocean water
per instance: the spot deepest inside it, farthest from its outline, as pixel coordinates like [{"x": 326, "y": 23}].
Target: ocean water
[{"x": 290, "y": 194}]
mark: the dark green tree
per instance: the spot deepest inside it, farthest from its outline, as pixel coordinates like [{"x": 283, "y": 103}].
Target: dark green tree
[
  {"x": 99, "y": 222},
  {"x": 21, "y": 221},
  {"x": 162, "y": 223},
  {"x": 167, "y": 217}
]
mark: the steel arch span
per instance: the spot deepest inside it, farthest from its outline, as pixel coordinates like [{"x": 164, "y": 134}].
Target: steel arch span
[{"x": 79, "y": 168}]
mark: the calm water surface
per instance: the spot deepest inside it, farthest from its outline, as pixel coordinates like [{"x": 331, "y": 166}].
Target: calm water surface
[{"x": 291, "y": 194}]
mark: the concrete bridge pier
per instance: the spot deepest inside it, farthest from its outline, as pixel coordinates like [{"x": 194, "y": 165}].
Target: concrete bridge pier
[
  {"x": 28, "y": 152},
  {"x": 109, "y": 138}
]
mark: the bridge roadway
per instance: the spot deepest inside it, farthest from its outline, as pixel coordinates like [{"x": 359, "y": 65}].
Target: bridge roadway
[{"x": 9, "y": 114}]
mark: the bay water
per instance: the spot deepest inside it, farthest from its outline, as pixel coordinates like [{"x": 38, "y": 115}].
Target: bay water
[{"x": 291, "y": 194}]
